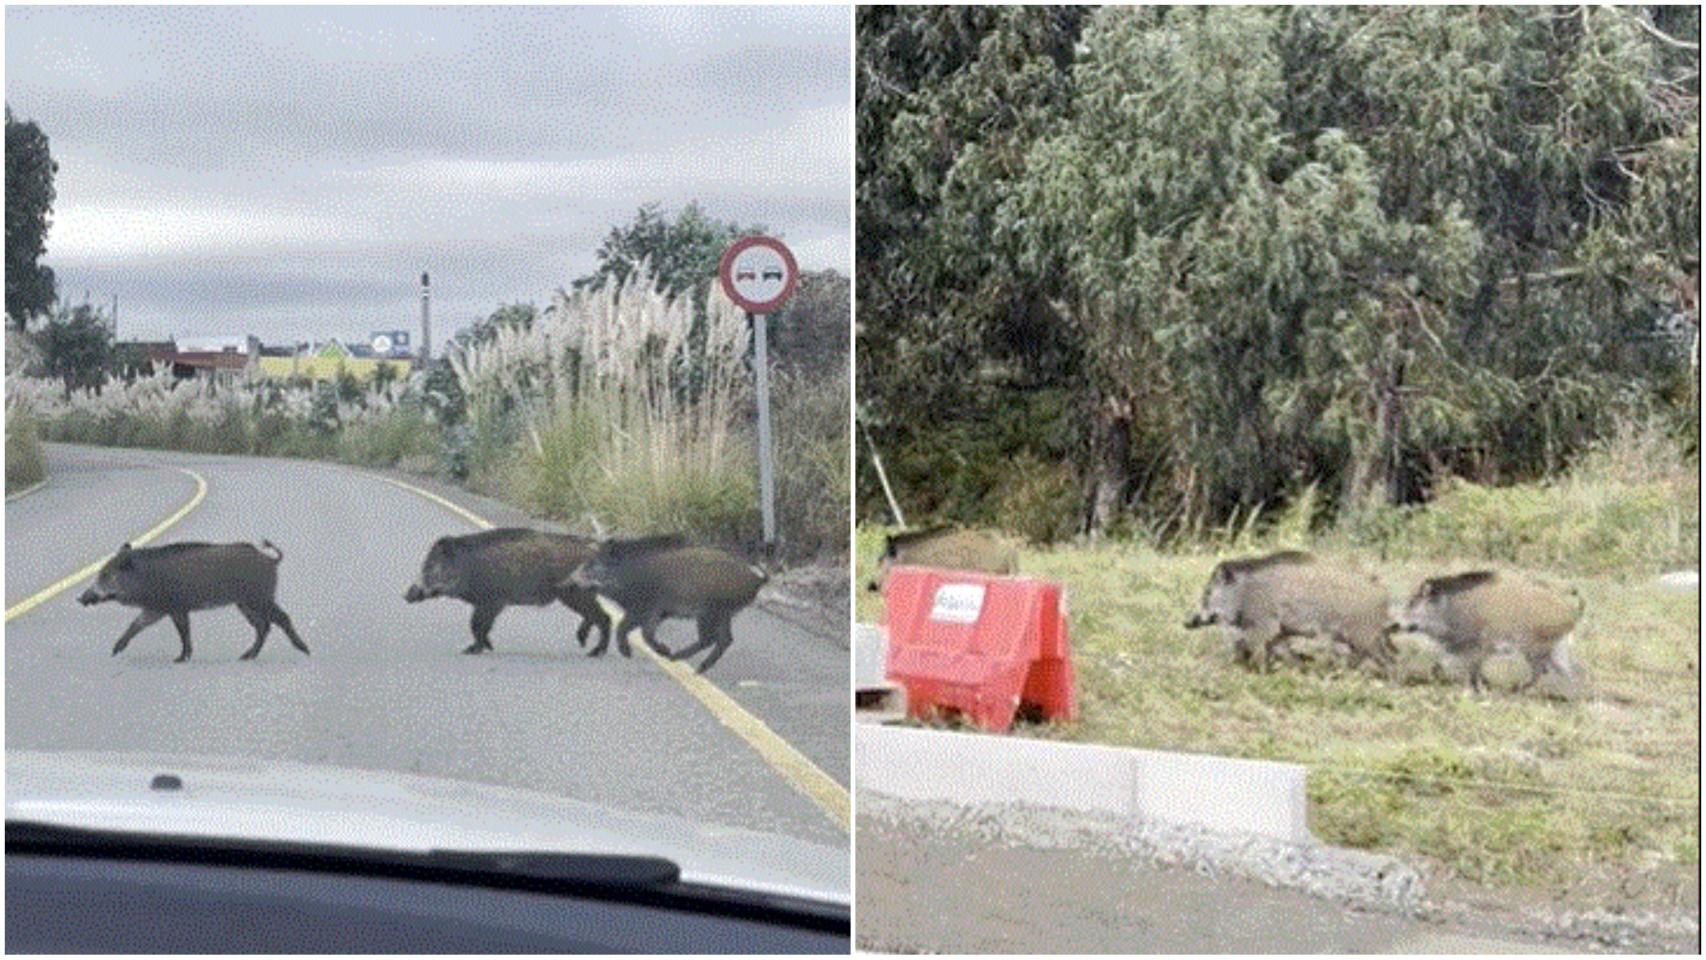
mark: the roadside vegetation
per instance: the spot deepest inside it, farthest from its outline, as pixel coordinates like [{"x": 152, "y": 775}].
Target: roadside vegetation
[
  {"x": 1593, "y": 802},
  {"x": 24, "y": 465},
  {"x": 1385, "y": 246},
  {"x": 624, "y": 406}
]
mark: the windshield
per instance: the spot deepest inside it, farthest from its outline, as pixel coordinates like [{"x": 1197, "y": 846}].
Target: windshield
[{"x": 364, "y": 339}]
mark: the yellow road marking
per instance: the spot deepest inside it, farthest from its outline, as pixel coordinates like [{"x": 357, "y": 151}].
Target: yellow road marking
[
  {"x": 25, "y": 606},
  {"x": 792, "y": 765},
  {"x": 457, "y": 509},
  {"x": 32, "y": 488}
]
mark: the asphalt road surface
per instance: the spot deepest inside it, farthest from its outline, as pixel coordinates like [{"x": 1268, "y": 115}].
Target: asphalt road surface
[
  {"x": 923, "y": 887},
  {"x": 386, "y": 686}
]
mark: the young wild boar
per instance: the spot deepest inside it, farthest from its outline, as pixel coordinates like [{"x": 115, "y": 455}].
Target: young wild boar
[
  {"x": 1476, "y": 615},
  {"x": 656, "y": 577},
  {"x": 1270, "y": 599},
  {"x": 172, "y": 580},
  {"x": 946, "y": 547},
  {"x": 512, "y": 565}
]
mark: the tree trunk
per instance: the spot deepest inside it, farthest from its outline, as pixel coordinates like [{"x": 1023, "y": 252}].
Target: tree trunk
[{"x": 1112, "y": 454}]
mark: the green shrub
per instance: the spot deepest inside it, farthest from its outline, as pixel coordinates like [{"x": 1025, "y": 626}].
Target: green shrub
[
  {"x": 1041, "y": 502},
  {"x": 1631, "y": 505},
  {"x": 810, "y": 426},
  {"x": 403, "y": 433}
]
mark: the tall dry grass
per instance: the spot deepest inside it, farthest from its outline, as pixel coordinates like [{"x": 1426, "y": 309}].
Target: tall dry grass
[
  {"x": 624, "y": 412},
  {"x": 24, "y": 464}
]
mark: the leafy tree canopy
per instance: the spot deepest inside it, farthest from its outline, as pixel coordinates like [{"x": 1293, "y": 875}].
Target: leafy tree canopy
[{"x": 30, "y": 168}]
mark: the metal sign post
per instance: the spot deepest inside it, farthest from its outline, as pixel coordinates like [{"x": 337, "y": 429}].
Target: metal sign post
[
  {"x": 766, "y": 466},
  {"x": 759, "y": 275}
]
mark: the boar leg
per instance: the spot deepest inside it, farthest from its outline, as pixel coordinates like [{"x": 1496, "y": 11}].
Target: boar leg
[
  {"x": 1263, "y": 637},
  {"x": 592, "y": 615},
  {"x": 603, "y": 643},
  {"x": 648, "y": 627},
  {"x": 707, "y": 637},
  {"x": 182, "y": 622},
  {"x": 629, "y": 625},
  {"x": 279, "y": 617},
  {"x": 143, "y": 621},
  {"x": 262, "y": 623},
  {"x": 1477, "y": 683},
  {"x": 724, "y": 638},
  {"x": 481, "y": 623}
]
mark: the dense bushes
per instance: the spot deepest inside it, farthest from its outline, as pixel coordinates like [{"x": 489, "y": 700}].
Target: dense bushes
[{"x": 1373, "y": 249}]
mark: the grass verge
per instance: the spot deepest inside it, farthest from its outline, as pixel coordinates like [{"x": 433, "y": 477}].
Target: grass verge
[{"x": 1590, "y": 803}]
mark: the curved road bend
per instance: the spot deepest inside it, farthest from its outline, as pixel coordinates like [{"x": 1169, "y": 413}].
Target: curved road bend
[{"x": 386, "y": 687}]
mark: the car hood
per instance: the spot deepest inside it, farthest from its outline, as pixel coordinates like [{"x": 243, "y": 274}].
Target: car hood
[{"x": 287, "y": 802}]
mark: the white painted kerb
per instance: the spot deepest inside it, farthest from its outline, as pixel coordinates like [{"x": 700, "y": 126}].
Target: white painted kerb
[{"x": 1216, "y": 793}]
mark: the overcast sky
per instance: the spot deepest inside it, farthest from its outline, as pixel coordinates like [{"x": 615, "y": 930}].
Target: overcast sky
[{"x": 290, "y": 171}]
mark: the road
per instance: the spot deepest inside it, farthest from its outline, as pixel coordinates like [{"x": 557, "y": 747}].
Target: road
[
  {"x": 386, "y": 687},
  {"x": 924, "y": 887}
]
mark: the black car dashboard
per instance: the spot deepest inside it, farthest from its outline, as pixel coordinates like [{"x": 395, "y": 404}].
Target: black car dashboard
[{"x": 161, "y": 897}]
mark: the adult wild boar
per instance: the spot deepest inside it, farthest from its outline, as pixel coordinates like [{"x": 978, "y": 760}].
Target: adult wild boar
[
  {"x": 652, "y": 578},
  {"x": 174, "y": 579},
  {"x": 1272, "y": 598},
  {"x": 950, "y": 548},
  {"x": 1478, "y": 614},
  {"x": 494, "y": 569}
]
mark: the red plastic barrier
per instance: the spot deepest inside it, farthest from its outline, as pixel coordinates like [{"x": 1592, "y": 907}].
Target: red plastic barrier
[{"x": 978, "y": 644}]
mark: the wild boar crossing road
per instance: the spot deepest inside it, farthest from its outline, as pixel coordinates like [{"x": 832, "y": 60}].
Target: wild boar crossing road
[{"x": 761, "y": 743}]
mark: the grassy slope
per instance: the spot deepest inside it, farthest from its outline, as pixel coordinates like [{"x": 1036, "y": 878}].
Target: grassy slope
[{"x": 1557, "y": 811}]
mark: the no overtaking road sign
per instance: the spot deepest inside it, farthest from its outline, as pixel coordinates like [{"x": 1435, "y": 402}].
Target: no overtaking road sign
[{"x": 759, "y": 274}]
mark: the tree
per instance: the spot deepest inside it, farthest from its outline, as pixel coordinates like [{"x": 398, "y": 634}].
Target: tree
[
  {"x": 76, "y": 347},
  {"x": 809, "y": 334},
  {"x": 1233, "y": 253},
  {"x": 519, "y": 316},
  {"x": 682, "y": 253},
  {"x": 30, "y": 168}
]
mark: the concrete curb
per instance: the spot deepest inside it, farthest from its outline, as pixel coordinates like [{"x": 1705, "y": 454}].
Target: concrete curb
[
  {"x": 1253, "y": 797},
  {"x": 1680, "y": 580},
  {"x": 32, "y": 488},
  {"x": 870, "y": 656}
]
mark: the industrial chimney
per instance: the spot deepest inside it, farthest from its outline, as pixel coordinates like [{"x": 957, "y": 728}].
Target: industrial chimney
[{"x": 426, "y": 321}]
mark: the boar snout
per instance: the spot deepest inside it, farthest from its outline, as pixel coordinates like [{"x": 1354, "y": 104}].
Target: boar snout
[
  {"x": 89, "y": 597},
  {"x": 1198, "y": 620},
  {"x": 415, "y": 594}
]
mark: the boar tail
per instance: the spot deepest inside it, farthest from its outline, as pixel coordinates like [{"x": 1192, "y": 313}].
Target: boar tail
[{"x": 277, "y": 554}]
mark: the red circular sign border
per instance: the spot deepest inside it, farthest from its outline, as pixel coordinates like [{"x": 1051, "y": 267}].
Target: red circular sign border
[{"x": 727, "y": 264}]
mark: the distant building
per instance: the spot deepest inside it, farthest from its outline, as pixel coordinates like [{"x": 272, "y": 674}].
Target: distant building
[
  {"x": 390, "y": 344},
  {"x": 222, "y": 343},
  {"x": 322, "y": 362}
]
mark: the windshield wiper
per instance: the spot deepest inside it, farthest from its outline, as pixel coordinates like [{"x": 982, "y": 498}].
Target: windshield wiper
[{"x": 547, "y": 870}]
